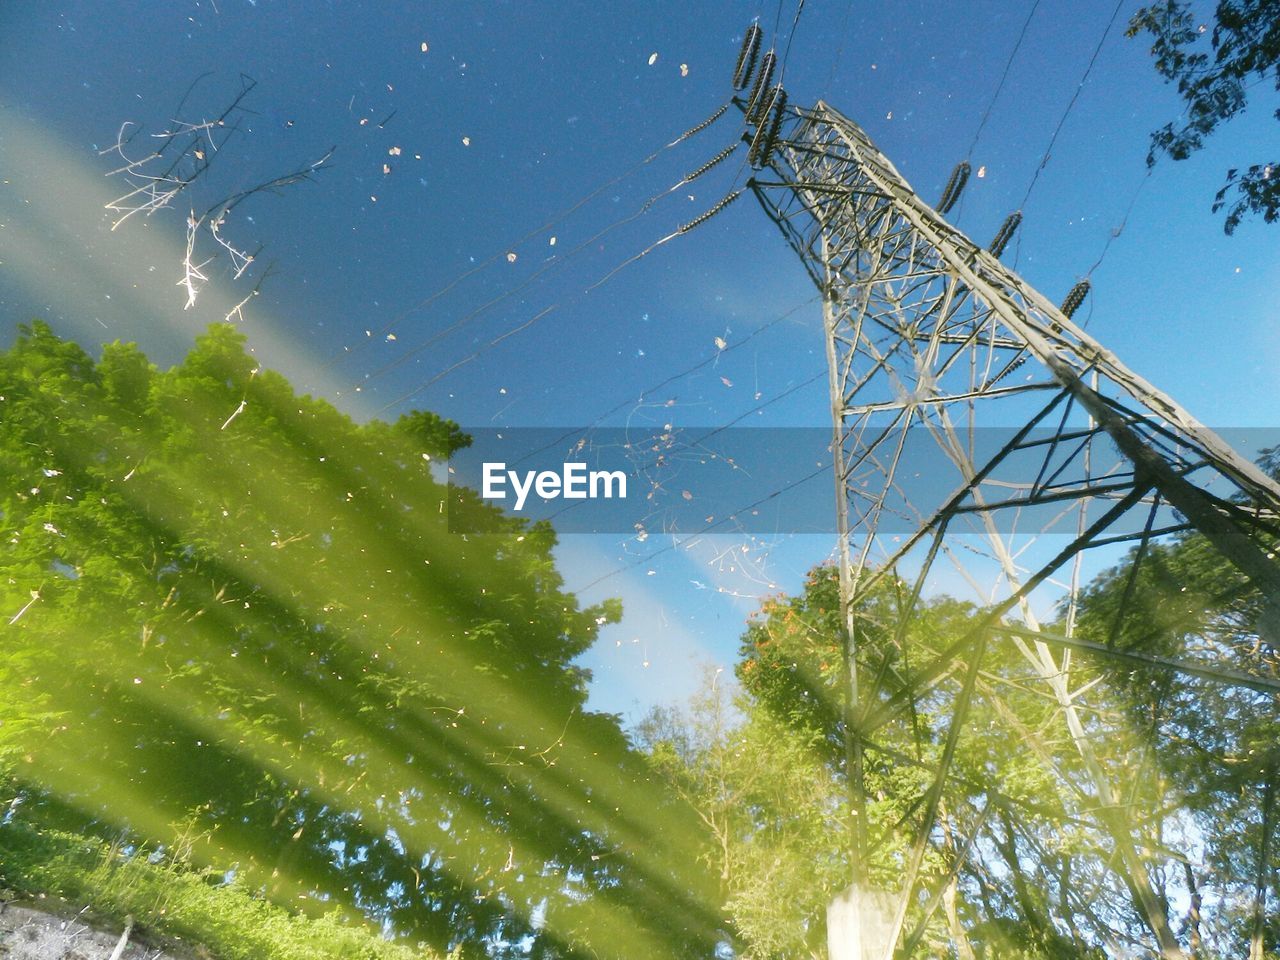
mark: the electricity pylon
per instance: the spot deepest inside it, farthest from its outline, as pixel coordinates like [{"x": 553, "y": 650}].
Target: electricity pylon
[{"x": 976, "y": 424}]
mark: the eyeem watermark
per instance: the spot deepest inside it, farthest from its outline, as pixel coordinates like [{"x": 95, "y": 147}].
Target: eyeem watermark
[
  {"x": 573, "y": 482},
  {"x": 641, "y": 480}
]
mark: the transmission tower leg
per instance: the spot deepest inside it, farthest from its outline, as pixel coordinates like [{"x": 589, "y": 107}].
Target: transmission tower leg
[{"x": 852, "y": 704}]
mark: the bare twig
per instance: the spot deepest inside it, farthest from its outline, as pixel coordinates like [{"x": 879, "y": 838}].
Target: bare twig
[
  {"x": 182, "y": 163},
  {"x": 238, "y": 310}
]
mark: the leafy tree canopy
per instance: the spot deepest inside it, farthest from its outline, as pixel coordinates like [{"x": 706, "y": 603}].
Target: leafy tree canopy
[
  {"x": 1065, "y": 815},
  {"x": 233, "y": 608},
  {"x": 1216, "y": 69}
]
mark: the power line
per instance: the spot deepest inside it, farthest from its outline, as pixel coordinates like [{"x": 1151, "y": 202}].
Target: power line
[
  {"x": 471, "y": 315},
  {"x": 786, "y": 51},
  {"x": 1044, "y": 160},
  {"x": 680, "y": 231},
  {"x": 622, "y": 404},
  {"x": 552, "y": 264},
  {"x": 844, "y": 36},
  {"x": 693, "y": 444},
  {"x": 1124, "y": 219},
  {"x": 777, "y": 22},
  {"x": 1003, "y": 77},
  {"x": 562, "y": 215},
  {"x": 644, "y": 208},
  {"x": 821, "y": 470},
  {"x": 1116, "y": 231}
]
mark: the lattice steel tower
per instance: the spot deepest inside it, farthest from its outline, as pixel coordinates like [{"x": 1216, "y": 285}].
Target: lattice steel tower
[{"x": 975, "y": 422}]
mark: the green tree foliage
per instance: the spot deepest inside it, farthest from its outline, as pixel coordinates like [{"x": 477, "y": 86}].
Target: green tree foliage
[
  {"x": 793, "y": 673},
  {"x": 1216, "y": 69},
  {"x": 1181, "y": 601},
  {"x": 229, "y": 603},
  {"x": 768, "y": 769},
  {"x": 769, "y": 807},
  {"x": 1122, "y": 814}
]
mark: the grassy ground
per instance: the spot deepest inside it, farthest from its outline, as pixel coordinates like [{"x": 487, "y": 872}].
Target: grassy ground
[{"x": 173, "y": 904}]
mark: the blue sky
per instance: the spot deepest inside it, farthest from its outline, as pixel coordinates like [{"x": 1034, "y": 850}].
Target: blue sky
[{"x": 515, "y": 112}]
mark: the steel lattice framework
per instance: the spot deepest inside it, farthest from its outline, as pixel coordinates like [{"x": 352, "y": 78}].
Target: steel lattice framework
[{"x": 975, "y": 422}]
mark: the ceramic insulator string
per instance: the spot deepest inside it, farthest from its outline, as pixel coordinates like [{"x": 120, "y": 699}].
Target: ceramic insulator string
[
  {"x": 767, "y": 135},
  {"x": 1005, "y": 233},
  {"x": 704, "y": 217},
  {"x": 714, "y": 161},
  {"x": 955, "y": 186},
  {"x": 757, "y": 103},
  {"x": 747, "y": 57}
]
